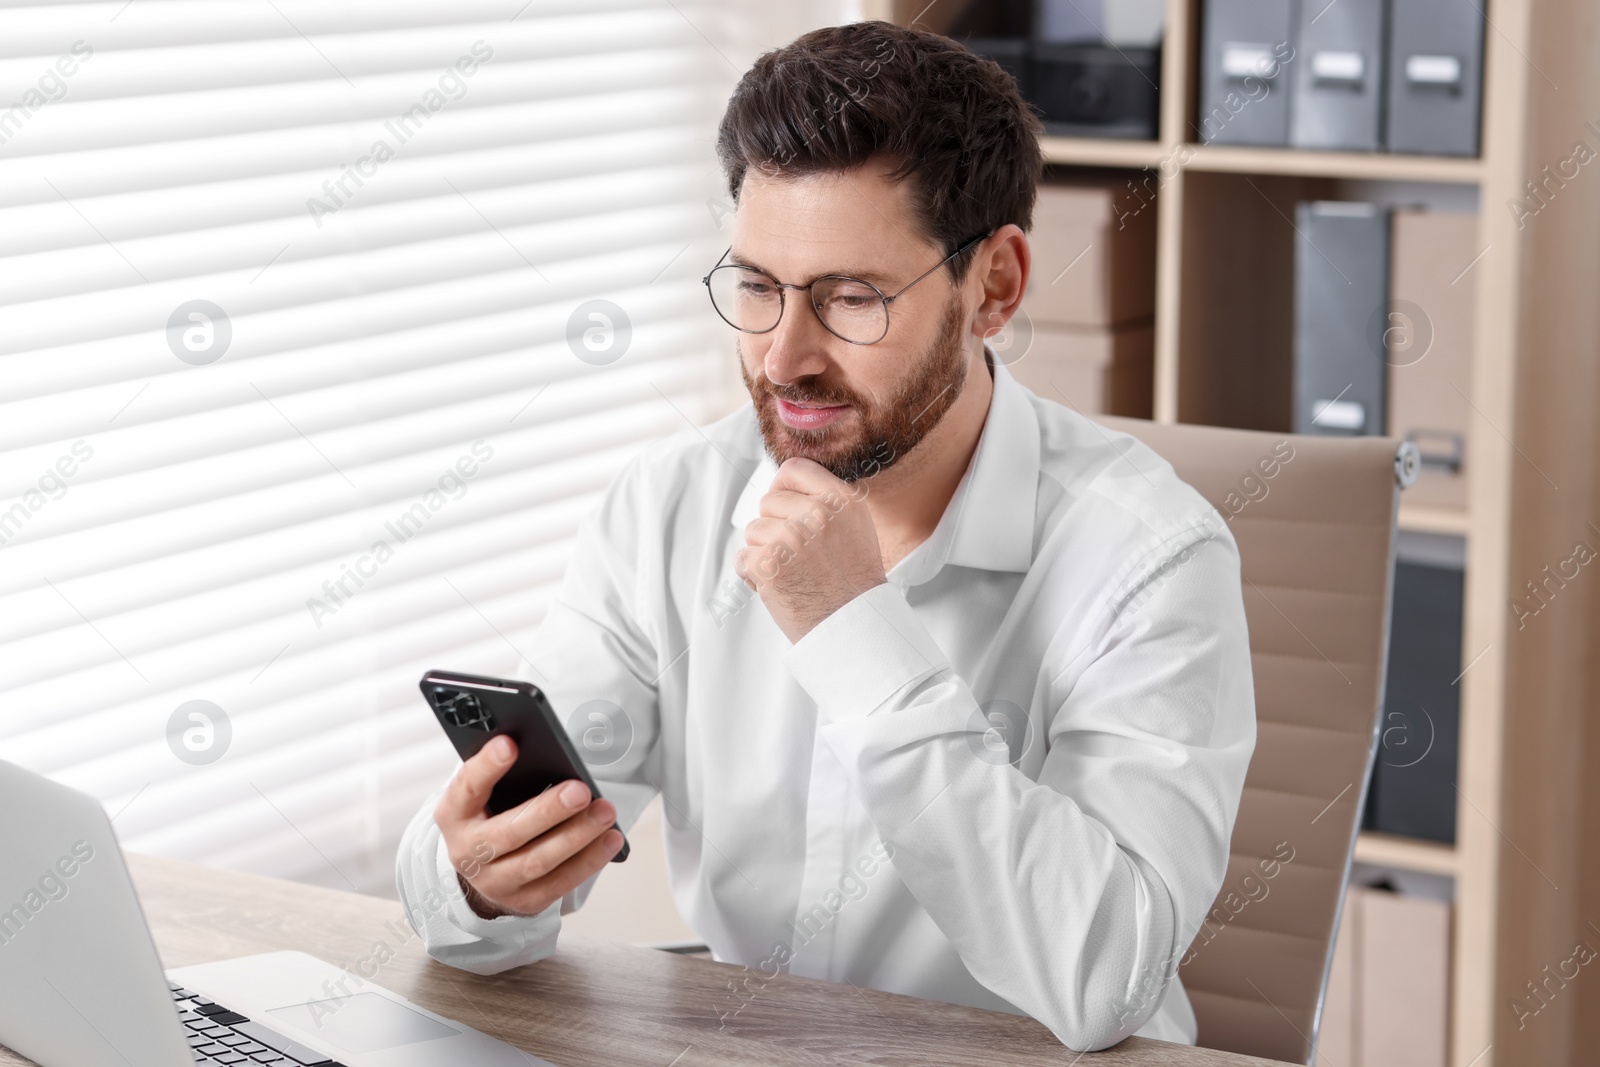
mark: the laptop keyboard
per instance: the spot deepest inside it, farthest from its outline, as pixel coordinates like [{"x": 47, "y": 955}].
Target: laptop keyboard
[{"x": 220, "y": 1036}]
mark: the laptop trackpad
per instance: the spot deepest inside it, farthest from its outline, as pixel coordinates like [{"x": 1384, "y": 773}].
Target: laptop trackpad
[{"x": 365, "y": 1022}]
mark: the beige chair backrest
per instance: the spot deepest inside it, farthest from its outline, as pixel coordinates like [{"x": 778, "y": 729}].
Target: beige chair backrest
[{"x": 1314, "y": 518}]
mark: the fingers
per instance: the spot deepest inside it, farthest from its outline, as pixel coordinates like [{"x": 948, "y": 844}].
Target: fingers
[
  {"x": 529, "y": 856},
  {"x": 477, "y": 842},
  {"x": 576, "y": 870},
  {"x": 473, "y": 838},
  {"x": 532, "y": 878},
  {"x": 785, "y": 503},
  {"x": 743, "y": 561},
  {"x": 788, "y": 523},
  {"x": 805, "y": 476},
  {"x": 551, "y": 812},
  {"x": 766, "y": 553},
  {"x": 468, "y": 792},
  {"x": 545, "y": 853},
  {"x": 766, "y": 531},
  {"x": 795, "y": 515}
]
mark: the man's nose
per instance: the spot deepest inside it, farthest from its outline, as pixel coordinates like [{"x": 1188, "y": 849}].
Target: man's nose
[{"x": 798, "y": 345}]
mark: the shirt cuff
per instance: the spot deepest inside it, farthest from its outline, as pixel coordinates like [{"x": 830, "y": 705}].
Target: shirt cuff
[{"x": 853, "y": 661}]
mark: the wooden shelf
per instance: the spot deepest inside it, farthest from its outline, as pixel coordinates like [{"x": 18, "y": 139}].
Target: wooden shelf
[
  {"x": 1382, "y": 166},
  {"x": 1102, "y": 152},
  {"x": 1407, "y": 853},
  {"x": 1435, "y": 520},
  {"x": 1079, "y": 151}
]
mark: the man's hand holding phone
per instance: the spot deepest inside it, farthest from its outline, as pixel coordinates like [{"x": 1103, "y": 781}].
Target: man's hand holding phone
[{"x": 526, "y": 858}]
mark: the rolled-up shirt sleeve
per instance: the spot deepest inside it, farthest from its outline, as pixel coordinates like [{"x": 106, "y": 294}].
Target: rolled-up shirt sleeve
[
  {"x": 597, "y": 664},
  {"x": 1072, "y": 896}
]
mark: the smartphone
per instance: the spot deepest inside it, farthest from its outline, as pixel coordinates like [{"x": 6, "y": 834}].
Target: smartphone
[{"x": 473, "y": 709}]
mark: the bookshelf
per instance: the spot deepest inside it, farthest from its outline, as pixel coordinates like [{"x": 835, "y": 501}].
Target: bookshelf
[
  {"x": 1388, "y": 850},
  {"x": 1091, "y": 152},
  {"x": 1434, "y": 520},
  {"x": 1369, "y": 165},
  {"x": 1526, "y": 863}
]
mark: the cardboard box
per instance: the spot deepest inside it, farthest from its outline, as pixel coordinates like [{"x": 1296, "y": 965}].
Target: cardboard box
[
  {"x": 1094, "y": 253},
  {"x": 1430, "y": 350},
  {"x": 1404, "y": 989},
  {"x": 1389, "y": 990},
  {"x": 1098, "y": 371}
]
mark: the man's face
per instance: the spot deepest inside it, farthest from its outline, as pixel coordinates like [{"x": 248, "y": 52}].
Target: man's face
[{"x": 852, "y": 408}]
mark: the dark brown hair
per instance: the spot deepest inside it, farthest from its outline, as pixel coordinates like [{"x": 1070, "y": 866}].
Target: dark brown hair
[{"x": 951, "y": 122}]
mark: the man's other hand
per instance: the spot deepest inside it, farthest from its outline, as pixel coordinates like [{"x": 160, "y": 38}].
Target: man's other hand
[{"x": 813, "y": 549}]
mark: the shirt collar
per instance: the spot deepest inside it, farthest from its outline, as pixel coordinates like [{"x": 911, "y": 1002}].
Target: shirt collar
[{"x": 988, "y": 523}]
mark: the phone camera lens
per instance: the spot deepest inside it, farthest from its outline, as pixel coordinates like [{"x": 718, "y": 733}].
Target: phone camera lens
[{"x": 464, "y": 709}]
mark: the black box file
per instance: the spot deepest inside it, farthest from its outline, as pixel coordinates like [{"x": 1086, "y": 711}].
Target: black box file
[{"x": 1414, "y": 777}]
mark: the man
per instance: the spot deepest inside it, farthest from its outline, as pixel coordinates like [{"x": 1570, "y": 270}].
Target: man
[{"x": 980, "y": 731}]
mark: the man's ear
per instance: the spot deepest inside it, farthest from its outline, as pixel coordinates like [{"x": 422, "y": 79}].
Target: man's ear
[{"x": 1000, "y": 271}]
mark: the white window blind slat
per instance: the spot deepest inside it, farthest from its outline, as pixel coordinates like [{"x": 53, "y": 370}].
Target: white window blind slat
[
  {"x": 33, "y": 222},
  {"x": 485, "y": 315},
  {"x": 165, "y": 241},
  {"x": 45, "y": 28},
  {"x": 300, "y": 274}
]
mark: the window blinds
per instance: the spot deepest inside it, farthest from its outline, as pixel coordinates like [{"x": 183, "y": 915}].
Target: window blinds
[{"x": 321, "y": 326}]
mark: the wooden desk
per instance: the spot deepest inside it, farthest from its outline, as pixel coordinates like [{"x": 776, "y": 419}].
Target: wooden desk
[{"x": 603, "y": 1004}]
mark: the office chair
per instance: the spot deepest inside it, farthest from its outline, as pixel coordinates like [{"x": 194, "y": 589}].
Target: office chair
[{"x": 1316, "y": 545}]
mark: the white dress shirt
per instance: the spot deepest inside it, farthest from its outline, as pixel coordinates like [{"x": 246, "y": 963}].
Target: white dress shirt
[{"x": 866, "y": 805}]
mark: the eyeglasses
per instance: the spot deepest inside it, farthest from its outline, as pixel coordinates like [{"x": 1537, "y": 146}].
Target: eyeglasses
[{"x": 851, "y": 309}]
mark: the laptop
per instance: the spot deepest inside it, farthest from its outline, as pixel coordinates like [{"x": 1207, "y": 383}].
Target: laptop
[{"x": 81, "y": 984}]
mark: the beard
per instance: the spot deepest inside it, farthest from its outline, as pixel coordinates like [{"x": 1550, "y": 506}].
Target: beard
[{"x": 881, "y": 433}]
